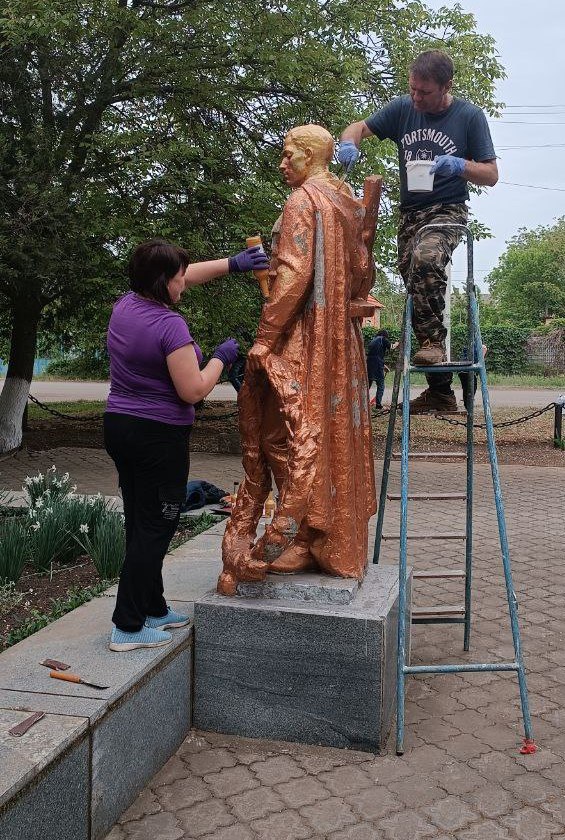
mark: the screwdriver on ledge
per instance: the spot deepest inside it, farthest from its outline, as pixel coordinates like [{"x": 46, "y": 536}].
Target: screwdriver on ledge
[{"x": 74, "y": 678}]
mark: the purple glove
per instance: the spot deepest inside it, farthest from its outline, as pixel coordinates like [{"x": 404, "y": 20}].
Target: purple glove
[
  {"x": 448, "y": 165},
  {"x": 252, "y": 259},
  {"x": 227, "y": 351}
]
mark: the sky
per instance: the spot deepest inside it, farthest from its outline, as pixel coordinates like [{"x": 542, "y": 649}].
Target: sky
[{"x": 531, "y": 46}]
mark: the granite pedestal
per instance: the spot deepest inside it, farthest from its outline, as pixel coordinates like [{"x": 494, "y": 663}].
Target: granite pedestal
[{"x": 313, "y": 663}]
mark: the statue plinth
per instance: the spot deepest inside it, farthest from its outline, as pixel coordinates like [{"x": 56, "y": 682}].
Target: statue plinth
[{"x": 298, "y": 668}]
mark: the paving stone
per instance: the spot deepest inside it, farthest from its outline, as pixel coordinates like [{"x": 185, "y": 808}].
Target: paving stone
[
  {"x": 204, "y": 818},
  {"x": 407, "y": 825},
  {"x": 374, "y": 803},
  {"x": 255, "y": 804},
  {"x": 145, "y": 804},
  {"x": 286, "y": 826},
  {"x": 155, "y": 827},
  {"x": 182, "y": 793},
  {"x": 457, "y": 778},
  {"x": 497, "y": 766},
  {"x": 277, "y": 770},
  {"x": 529, "y": 823},
  {"x": 210, "y": 761},
  {"x": 487, "y": 830},
  {"x": 492, "y": 800},
  {"x": 465, "y": 747},
  {"x": 233, "y": 832},
  {"x": 117, "y": 833},
  {"x": 231, "y": 780},
  {"x": 328, "y": 815},
  {"x": 344, "y": 780},
  {"x": 531, "y": 789},
  {"x": 174, "y": 769},
  {"x": 451, "y": 813},
  {"x": 361, "y": 831},
  {"x": 415, "y": 795},
  {"x": 303, "y": 791},
  {"x": 555, "y": 807}
]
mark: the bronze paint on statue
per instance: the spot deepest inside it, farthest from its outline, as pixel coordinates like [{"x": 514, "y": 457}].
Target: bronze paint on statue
[{"x": 303, "y": 406}]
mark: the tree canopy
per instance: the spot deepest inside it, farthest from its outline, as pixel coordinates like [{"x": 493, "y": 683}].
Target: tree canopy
[
  {"x": 125, "y": 119},
  {"x": 528, "y": 284}
]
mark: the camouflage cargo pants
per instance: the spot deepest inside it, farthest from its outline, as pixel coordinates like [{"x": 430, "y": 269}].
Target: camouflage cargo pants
[{"x": 423, "y": 271}]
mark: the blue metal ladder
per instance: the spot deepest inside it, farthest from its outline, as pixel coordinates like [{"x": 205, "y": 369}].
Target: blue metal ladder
[{"x": 474, "y": 366}]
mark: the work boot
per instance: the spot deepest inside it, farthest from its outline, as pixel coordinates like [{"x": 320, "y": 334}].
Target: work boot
[
  {"x": 430, "y": 353},
  {"x": 434, "y": 402}
]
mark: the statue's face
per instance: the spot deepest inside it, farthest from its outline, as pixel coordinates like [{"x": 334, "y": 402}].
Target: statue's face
[{"x": 295, "y": 164}]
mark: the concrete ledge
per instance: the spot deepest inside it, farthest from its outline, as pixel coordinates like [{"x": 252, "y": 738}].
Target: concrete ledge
[{"x": 71, "y": 776}]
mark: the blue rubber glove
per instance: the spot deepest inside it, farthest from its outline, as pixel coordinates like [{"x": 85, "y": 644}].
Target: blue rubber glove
[
  {"x": 347, "y": 154},
  {"x": 227, "y": 351},
  {"x": 252, "y": 259},
  {"x": 448, "y": 165}
]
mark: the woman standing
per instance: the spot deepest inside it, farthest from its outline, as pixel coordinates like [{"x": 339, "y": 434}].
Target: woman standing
[{"x": 155, "y": 381}]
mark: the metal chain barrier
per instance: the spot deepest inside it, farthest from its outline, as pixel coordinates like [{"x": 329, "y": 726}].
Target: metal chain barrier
[
  {"x": 56, "y": 413},
  {"x": 90, "y": 417},
  {"x": 501, "y": 425}
]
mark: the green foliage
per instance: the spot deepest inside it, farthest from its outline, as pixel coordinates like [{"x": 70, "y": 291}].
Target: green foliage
[
  {"x": 42, "y": 487},
  {"x": 528, "y": 283},
  {"x": 14, "y": 548},
  {"x": 86, "y": 366},
  {"x": 506, "y": 346},
  {"x": 61, "y": 607},
  {"x": 105, "y": 543},
  {"x": 129, "y": 119}
]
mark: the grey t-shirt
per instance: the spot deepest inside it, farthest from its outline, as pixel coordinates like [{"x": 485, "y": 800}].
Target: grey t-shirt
[{"x": 460, "y": 130}]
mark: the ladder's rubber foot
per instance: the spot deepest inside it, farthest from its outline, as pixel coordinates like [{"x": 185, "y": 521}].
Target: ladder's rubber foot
[
  {"x": 528, "y": 746},
  {"x": 400, "y": 750}
]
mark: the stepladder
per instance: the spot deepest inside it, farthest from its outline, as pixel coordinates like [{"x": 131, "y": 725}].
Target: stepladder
[{"x": 460, "y": 613}]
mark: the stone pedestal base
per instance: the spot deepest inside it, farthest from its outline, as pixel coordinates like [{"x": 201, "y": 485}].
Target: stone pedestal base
[{"x": 303, "y": 667}]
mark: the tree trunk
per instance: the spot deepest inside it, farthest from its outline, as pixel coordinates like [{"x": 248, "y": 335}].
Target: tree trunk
[{"x": 13, "y": 399}]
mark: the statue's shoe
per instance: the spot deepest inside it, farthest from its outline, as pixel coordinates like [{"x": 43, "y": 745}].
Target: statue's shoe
[{"x": 294, "y": 559}]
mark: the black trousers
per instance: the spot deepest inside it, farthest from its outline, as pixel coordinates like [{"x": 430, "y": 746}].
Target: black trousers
[{"x": 152, "y": 461}]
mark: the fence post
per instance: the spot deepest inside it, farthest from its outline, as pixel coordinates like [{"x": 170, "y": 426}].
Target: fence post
[{"x": 558, "y": 424}]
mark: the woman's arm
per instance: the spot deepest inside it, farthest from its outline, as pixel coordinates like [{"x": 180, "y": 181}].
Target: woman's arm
[
  {"x": 191, "y": 383},
  {"x": 201, "y": 272}
]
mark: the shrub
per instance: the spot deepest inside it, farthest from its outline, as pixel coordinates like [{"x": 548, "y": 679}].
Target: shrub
[{"x": 14, "y": 547}]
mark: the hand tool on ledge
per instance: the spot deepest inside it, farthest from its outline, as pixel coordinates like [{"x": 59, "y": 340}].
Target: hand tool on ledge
[
  {"x": 74, "y": 678},
  {"x": 55, "y": 664},
  {"x": 26, "y": 724}
]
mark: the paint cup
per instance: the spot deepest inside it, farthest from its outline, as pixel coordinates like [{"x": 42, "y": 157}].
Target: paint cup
[{"x": 418, "y": 176}]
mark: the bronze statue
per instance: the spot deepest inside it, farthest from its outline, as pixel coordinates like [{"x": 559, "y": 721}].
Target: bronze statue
[{"x": 303, "y": 406}]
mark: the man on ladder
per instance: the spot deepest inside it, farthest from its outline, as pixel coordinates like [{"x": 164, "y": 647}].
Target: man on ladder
[{"x": 430, "y": 124}]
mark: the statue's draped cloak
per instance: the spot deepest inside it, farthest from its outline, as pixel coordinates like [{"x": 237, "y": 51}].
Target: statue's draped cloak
[{"x": 306, "y": 416}]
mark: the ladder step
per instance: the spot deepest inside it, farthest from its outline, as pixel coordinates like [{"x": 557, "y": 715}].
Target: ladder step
[
  {"x": 450, "y": 535},
  {"x": 440, "y": 573},
  {"x": 416, "y": 455},
  {"x": 395, "y": 497},
  {"x": 446, "y": 367},
  {"x": 422, "y": 613}
]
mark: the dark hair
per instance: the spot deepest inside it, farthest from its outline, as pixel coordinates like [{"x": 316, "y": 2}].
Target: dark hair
[
  {"x": 435, "y": 65},
  {"x": 152, "y": 264},
  {"x": 384, "y": 333}
]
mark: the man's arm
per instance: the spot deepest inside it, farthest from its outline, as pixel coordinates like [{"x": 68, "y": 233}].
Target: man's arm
[
  {"x": 356, "y": 132},
  {"x": 483, "y": 174}
]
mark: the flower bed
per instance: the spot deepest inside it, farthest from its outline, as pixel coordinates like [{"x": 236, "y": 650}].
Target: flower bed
[{"x": 60, "y": 550}]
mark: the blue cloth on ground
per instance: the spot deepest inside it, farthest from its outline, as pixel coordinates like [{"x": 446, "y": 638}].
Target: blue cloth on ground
[{"x": 200, "y": 493}]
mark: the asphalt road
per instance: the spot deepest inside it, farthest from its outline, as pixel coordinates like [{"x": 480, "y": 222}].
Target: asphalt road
[{"x": 70, "y": 391}]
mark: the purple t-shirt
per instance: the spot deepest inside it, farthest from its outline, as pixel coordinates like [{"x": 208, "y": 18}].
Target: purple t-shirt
[{"x": 141, "y": 334}]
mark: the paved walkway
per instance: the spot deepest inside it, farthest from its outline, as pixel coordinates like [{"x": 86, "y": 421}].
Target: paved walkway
[
  {"x": 462, "y": 775},
  {"x": 499, "y": 397}
]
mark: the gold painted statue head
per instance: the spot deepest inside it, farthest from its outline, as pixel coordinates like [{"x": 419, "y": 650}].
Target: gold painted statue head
[{"x": 307, "y": 151}]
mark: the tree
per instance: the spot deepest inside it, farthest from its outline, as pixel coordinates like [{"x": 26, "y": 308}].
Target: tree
[
  {"x": 124, "y": 119},
  {"x": 528, "y": 284}
]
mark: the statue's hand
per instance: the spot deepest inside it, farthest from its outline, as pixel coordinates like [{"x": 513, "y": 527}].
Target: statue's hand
[{"x": 256, "y": 358}]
